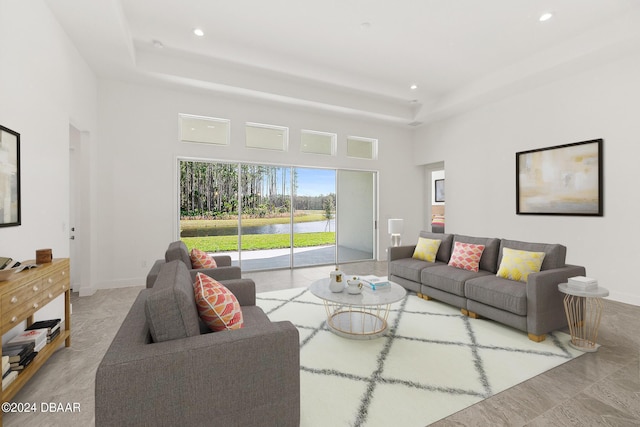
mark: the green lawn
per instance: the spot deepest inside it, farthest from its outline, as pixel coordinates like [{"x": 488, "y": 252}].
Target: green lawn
[
  {"x": 203, "y": 225},
  {"x": 259, "y": 241}
]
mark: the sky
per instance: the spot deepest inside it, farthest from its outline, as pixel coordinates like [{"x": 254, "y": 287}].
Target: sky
[{"x": 313, "y": 182}]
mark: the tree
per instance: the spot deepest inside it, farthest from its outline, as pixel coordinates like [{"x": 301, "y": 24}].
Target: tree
[{"x": 329, "y": 207}]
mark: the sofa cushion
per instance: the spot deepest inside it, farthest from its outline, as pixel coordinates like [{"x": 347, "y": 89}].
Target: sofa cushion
[
  {"x": 170, "y": 308},
  {"x": 426, "y": 249},
  {"x": 449, "y": 279},
  {"x": 409, "y": 268},
  {"x": 466, "y": 256},
  {"x": 218, "y": 307},
  {"x": 555, "y": 254},
  {"x": 178, "y": 251},
  {"x": 494, "y": 291},
  {"x": 444, "y": 251},
  {"x": 489, "y": 259},
  {"x": 201, "y": 259},
  {"x": 517, "y": 265}
]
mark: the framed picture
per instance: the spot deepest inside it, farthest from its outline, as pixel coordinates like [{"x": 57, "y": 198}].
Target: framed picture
[
  {"x": 439, "y": 190},
  {"x": 561, "y": 180},
  {"x": 9, "y": 177}
]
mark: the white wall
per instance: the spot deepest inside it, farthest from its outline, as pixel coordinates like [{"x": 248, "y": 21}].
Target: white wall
[
  {"x": 44, "y": 86},
  {"x": 137, "y": 198},
  {"x": 479, "y": 148}
]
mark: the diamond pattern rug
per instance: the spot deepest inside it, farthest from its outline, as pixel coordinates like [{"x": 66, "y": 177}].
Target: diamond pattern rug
[{"x": 432, "y": 362}]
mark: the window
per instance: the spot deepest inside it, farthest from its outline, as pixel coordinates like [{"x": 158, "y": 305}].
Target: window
[
  {"x": 207, "y": 130},
  {"x": 362, "y": 148},
  {"x": 318, "y": 142},
  {"x": 267, "y": 137}
]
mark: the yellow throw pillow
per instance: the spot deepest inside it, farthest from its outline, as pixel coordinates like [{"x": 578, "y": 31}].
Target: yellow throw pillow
[
  {"x": 426, "y": 249},
  {"x": 517, "y": 265}
]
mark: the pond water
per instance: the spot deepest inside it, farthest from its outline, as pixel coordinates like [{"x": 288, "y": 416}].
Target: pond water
[{"x": 301, "y": 227}]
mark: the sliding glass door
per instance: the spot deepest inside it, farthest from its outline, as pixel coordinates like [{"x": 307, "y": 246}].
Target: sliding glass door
[
  {"x": 314, "y": 228},
  {"x": 265, "y": 238},
  {"x": 356, "y": 215},
  {"x": 208, "y": 194},
  {"x": 271, "y": 217}
]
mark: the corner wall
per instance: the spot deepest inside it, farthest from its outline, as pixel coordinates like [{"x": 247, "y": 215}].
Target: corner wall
[{"x": 479, "y": 148}]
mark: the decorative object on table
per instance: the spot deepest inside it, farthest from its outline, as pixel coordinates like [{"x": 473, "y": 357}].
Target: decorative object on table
[
  {"x": 9, "y": 177},
  {"x": 395, "y": 226},
  {"x": 582, "y": 283},
  {"x": 583, "y": 307},
  {"x": 354, "y": 285},
  {"x": 374, "y": 282},
  {"x": 336, "y": 284},
  {"x": 439, "y": 190},
  {"x": 44, "y": 256},
  {"x": 561, "y": 180}
]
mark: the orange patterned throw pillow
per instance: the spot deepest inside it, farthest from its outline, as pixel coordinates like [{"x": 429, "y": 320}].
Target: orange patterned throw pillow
[
  {"x": 201, "y": 259},
  {"x": 466, "y": 256},
  {"x": 218, "y": 307}
]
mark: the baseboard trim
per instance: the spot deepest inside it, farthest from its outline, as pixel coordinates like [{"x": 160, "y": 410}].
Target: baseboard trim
[{"x": 122, "y": 283}]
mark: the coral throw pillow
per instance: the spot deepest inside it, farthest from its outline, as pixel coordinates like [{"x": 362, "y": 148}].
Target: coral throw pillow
[
  {"x": 426, "y": 249},
  {"x": 217, "y": 306},
  {"x": 466, "y": 256},
  {"x": 201, "y": 259},
  {"x": 517, "y": 265}
]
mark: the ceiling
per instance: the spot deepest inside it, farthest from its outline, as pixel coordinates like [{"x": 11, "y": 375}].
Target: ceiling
[{"x": 356, "y": 57}]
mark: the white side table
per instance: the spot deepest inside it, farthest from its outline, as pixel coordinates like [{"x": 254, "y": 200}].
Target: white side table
[{"x": 584, "y": 310}]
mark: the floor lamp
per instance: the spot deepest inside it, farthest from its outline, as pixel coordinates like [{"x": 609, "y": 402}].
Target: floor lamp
[{"x": 395, "y": 229}]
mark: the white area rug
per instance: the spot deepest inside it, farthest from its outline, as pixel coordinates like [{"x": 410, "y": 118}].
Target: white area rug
[{"x": 432, "y": 362}]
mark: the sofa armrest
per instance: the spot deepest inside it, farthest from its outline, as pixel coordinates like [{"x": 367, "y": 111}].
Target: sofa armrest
[
  {"x": 222, "y": 260},
  {"x": 398, "y": 252},
  {"x": 193, "y": 380},
  {"x": 545, "y": 307}
]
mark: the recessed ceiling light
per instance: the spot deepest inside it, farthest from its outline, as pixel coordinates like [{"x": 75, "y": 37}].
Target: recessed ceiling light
[
  {"x": 365, "y": 25},
  {"x": 198, "y": 32},
  {"x": 545, "y": 16},
  {"x": 413, "y": 86}
]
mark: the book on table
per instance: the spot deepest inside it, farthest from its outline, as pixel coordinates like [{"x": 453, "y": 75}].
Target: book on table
[
  {"x": 52, "y": 326},
  {"x": 9, "y": 379},
  {"x": 19, "y": 351},
  {"x": 5, "y": 365},
  {"x": 18, "y": 366},
  {"x": 49, "y": 325},
  {"x": 37, "y": 336},
  {"x": 375, "y": 282}
]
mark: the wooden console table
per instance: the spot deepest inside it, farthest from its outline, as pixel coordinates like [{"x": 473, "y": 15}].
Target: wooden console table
[{"x": 24, "y": 294}]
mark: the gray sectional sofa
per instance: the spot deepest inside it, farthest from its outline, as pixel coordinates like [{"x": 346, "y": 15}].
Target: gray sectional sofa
[
  {"x": 164, "y": 368},
  {"x": 535, "y": 307}
]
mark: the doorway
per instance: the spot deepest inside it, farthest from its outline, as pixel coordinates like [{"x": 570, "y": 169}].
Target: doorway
[{"x": 79, "y": 226}]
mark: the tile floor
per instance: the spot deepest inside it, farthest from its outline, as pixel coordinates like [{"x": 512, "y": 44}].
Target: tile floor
[{"x": 601, "y": 388}]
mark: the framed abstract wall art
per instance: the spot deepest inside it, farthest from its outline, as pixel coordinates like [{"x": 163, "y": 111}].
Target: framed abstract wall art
[
  {"x": 561, "y": 180},
  {"x": 9, "y": 177},
  {"x": 439, "y": 190}
]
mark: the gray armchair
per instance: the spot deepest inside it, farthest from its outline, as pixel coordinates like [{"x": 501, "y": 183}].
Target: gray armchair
[
  {"x": 248, "y": 376},
  {"x": 178, "y": 251}
]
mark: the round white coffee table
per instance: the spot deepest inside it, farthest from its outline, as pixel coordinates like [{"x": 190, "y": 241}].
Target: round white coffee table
[
  {"x": 360, "y": 316},
  {"x": 584, "y": 310}
]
